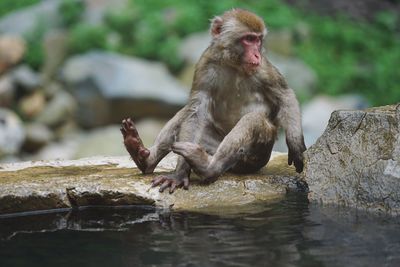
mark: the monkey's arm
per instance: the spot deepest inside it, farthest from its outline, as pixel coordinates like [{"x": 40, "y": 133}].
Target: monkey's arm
[{"x": 290, "y": 119}]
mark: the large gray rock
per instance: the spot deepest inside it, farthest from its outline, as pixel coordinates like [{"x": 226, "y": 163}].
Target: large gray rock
[
  {"x": 356, "y": 162},
  {"x": 32, "y": 186},
  {"x": 24, "y": 21},
  {"x": 12, "y": 133},
  {"x": 110, "y": 87}
]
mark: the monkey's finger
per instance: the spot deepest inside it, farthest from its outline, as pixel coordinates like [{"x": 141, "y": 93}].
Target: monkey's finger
[
  {"x": 166, "y": 184},
  {"x": 174, "y": 185},
  {"x": 123, "y": 131},
  {"x": 129, "y": 126},
  {"x": 299, "y": 166},
  {"x": 157, "y": 181},
  {"x": 186, "y": 183},
  {"x": 290, "y": 159}
]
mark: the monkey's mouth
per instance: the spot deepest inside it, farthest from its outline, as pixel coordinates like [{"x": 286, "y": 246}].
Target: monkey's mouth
[{"x": 252, "y": 65}]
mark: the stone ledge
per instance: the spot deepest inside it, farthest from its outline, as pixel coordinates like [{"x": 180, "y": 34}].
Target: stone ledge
[{"x": 114, "y": 181}]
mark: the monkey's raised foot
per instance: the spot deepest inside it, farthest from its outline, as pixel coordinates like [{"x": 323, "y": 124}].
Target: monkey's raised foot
[
  {"x": 172, "y": 181},
  {"x": 134, "y": 144}
]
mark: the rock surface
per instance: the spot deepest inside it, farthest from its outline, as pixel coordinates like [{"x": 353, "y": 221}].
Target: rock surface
[
  {"x": 12, "y": 49},
  {"x": 356, "y": 162},
  {"x": 12, "y": 133},
  {"x": 316, "y": 113},
  {"x": 111, "y": 86},
  {"x": 33, "y": 186},
  {"x": 24, "y": 21}
]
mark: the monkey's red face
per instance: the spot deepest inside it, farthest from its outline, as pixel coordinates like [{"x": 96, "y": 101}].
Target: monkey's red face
[{"x": 252, "y": 43}]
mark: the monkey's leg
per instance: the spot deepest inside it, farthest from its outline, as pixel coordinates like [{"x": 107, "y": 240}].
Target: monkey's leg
[
  {"x": 246, "y": 148},
  {"x": 206, "y": 136},
  {"x": 147, "y": 159}
]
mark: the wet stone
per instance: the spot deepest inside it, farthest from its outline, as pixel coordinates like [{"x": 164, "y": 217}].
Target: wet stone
[{"x": 114, "y": 181}]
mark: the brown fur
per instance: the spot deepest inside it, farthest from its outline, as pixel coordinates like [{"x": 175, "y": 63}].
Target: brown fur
[
  {"x": 247, "y": 18},
  {"x": 231, "y": 119}
]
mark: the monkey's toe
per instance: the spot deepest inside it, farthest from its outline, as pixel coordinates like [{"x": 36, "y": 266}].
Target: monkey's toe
[
  {"x": 129, "y": 128},
  {"x": 171, "y": 182}
]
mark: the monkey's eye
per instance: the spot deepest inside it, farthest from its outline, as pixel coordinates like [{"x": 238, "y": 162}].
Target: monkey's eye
[{"x": 250, "y": 38}]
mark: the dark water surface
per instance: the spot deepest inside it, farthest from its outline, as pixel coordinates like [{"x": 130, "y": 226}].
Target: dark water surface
[{"x": 287, "y": 233}]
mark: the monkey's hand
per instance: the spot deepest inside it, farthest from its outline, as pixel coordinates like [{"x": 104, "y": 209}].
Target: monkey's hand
[{"x": 295, "y": 155}]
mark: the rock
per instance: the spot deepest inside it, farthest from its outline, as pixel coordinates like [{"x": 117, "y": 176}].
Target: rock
[
  {"x": 12, "y": 49},
  {"x": 316, "y": 113},
  {"x": 61, "y": 150},
  {"x": 298, "y": 75},
  {"x": 111, "y": 181},
  {"x": 105, "y": 141},
  {"x": 149, "y": 130},
  {"x": 12, "y": 133},
  {"x": 110, "y": 87},
  {"x": 60, "y": 108},
  {"x": 96, "y": 9},
  {"x": 52, "y": 88},
  {"x": 193, "y": 46},
  {"x": 25, "y": 20},
  {"x": 31, "y": 105},
  {"x": 26, "y": 78},
  {"x": 67, "y": 129},
  {"x": 7, "y": 91},
  {"x": 356, "y": 162},
  {"x": 55, "y": 47},
  {"x": 37, "y": 136},
  {"x": 280, "y": 42}
]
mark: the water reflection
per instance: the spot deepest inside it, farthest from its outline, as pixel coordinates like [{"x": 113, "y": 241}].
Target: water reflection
[{"x": 287, "y": 233}]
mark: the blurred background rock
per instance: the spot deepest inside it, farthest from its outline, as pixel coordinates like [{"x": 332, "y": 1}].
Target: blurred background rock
[{"x": 71, "y": 70}]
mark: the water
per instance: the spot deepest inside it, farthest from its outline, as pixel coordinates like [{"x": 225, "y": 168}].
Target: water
[{"x": 287, "y": 233}]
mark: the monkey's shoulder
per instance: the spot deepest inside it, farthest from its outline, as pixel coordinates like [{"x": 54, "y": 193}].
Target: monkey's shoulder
[{"x": 271, "y": 76}]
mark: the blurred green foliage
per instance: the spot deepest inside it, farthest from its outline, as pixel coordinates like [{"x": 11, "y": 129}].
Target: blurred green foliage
[
  {"x": 84, "y": 37},
  {"x": 71, "y": 11},
  {"x": 34, "y": 55},
  {"x": 351, "y": 57},
  {"x": 347, "y": 56},
  {"x": 8, "y": 6}
]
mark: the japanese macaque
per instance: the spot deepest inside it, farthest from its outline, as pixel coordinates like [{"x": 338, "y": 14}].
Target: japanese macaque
[{"x": 238, "y": 101}]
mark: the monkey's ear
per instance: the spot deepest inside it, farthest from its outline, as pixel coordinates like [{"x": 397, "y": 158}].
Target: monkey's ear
[{"x": 216, "y": 26}]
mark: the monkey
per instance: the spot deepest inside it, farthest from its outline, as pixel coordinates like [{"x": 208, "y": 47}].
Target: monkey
[{"x": 237, "y": 103}]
